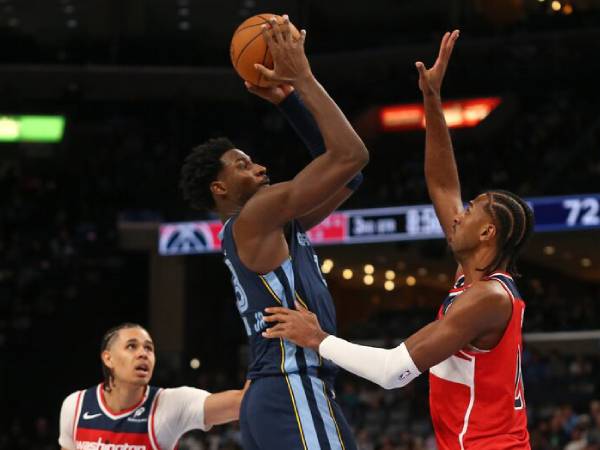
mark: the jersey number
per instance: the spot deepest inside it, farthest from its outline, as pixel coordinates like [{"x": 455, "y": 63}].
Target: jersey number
[
  {"x": 241, "y": 299},
  {"x": 519, "y": 382}
]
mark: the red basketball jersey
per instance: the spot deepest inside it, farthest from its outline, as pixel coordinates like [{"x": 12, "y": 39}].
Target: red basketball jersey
[
  {"x": 96, "y": 427},
  {"x": 476, "y": 396}
]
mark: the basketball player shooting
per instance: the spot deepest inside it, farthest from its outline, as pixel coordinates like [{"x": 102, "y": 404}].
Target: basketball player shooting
[
  {"x": 289, "y": 404},
  {"x": 473, "y": 349}
]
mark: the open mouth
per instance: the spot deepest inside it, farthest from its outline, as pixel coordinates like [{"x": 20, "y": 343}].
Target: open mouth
[{"x": 142, "y": 369}]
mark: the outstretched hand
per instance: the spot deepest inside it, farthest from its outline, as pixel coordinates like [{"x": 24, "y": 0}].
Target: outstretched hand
[
  {"x": 274, "y": 94},
  {"x": 430, "y": 80},
  {"x": 290, "y": 63},
  {"x": 297, "y": 325}
]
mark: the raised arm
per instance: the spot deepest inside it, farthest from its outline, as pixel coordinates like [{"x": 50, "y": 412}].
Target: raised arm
[
  {"x": 344, "y": 156},
  {"x": 441, "y": 173},
  {"x": 291, "y": 106}
]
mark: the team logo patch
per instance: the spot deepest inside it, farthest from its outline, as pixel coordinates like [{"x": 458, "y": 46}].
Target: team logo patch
[
  {"x": 302, "y": 239},
  {"x": 404, "y": 375},
  {"x": 185, "y": 238}
]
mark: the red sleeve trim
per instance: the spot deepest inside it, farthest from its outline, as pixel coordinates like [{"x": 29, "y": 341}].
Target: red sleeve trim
[{"x": 76, "y": 418}]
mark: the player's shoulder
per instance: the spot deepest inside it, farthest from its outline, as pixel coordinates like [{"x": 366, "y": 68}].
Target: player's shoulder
[
  {"x": 76, "y": 396},
  {"x": 489, "y": 290},
  {"x": 484, "y": 304},
  {"x": 174, "y": 391},
  {"x": 181, "y": 393},
  {"x": 174, "y": 402},
  {"x": 73, "y": 396},
  {"x": 485, "y": 295},
  {"x": 70, "y": 401},
  {"x": 489, "y": 286},
  {"x": 265, "y": 201}
]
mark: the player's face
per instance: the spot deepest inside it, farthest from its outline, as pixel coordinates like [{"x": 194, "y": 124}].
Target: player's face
[
  {"x": 241, "y": 177},
  {"x": 131, "y": 357},
  {"x": 471, "y": 226}
]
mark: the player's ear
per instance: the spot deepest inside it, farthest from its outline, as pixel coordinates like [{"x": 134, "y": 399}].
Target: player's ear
[
  {"x": 218, "y": 188},
  {"x": 107, "y": 359},
  {"x": 488, "y": 232}
]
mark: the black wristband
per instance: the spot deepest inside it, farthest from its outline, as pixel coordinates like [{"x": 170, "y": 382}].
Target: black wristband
[{"x": 301, "y": 119}]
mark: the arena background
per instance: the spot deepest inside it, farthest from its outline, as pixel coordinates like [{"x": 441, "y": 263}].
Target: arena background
[{"x": 141, "y": 82}]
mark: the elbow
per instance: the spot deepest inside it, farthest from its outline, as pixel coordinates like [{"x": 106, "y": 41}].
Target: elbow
[
  {"x": 389, "y": 382},
  {"x": 387, "y": 385},
  {"x": 395, "y": 382},
  {"x": 386, "y": 381},
  {"x": 358, "y": 157},
  {"x": 362, "y": 157}
]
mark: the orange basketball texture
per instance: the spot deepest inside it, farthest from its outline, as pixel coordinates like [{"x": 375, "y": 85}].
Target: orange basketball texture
[{"x": 248, "y": 47}]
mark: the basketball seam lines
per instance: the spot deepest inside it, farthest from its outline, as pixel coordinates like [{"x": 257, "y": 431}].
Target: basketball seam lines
[
  {"x": 250, "y": 26},
  {"x": 245, "y": 47}
]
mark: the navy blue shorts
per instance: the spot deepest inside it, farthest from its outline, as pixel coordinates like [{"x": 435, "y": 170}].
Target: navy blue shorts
[{"x": 293, "y": 412}]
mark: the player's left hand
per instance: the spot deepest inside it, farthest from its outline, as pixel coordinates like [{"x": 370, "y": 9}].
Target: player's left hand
[
  {"x": 290, "y": 64},
  {"x": 430, "y": 80},
  {"x": 299, "y": 326},
  {"x": 274, "y": 94}
]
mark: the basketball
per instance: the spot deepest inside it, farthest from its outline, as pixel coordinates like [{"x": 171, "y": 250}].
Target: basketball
[{"x": 248, "y": 47}]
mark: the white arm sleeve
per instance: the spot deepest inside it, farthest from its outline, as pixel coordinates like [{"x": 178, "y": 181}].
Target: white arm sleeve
[
  {"x": 388, "y": 368},
  {"x": 67, "y": 418},
  {"x": 179, "y": 410}
]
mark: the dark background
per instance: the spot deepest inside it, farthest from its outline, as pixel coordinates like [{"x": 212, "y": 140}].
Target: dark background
[{"x": 142, "y": 82}]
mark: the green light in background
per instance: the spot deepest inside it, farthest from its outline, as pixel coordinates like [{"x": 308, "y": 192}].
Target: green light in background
[
  {"x": 31, "y": 128},
  {"x": 9, "y": 129}
]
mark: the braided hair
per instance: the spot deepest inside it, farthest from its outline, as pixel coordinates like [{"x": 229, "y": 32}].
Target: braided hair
[
  {"x": 514, "y": 221},
  {"x": 201, "y": 167},
  {"x": 107, "y": 340}
]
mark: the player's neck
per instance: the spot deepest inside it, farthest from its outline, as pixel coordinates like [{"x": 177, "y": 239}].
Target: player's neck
[
  {"x": 227, "y": 211},
  {"x": 477, "y": 260},
  {"x": 124, "y": 396}
]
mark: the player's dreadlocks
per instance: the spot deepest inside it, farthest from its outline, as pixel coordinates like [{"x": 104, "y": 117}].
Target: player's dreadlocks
[
  {"x": 201, "y": 168},
  {"x": 107, "y": 340},
  {"x": 515, "y": 221}
]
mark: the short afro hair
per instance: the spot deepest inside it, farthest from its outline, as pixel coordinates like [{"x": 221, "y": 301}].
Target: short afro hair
[{"x": 200, "y": 168}]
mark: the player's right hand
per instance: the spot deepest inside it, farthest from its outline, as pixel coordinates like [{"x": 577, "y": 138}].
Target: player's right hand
[
  {"x": 274, "y": 94},
  {"x": 297, "y": 325},
  {"x": 290, "y": 63}
]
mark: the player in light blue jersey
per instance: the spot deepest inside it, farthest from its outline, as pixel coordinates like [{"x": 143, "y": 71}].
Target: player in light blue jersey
[{"x": 289, "y": 404}]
